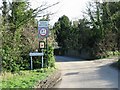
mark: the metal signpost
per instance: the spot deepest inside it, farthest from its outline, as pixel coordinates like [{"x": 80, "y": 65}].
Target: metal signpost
[
  {"x": 42, "y": 46},
  {"x": 35, "y": 54},
  {"x": 43, "y": 32}
]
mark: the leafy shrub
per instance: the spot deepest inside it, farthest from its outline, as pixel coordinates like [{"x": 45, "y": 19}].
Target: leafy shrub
[{"x": 49, "y": 56}]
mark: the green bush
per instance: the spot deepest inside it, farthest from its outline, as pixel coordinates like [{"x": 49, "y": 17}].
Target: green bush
[
  {"x": 11, "y": 53},
  {"x": 49, "y": 57}
]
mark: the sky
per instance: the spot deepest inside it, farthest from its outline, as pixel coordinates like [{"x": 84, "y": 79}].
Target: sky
[{"x": 71, "y": 8}]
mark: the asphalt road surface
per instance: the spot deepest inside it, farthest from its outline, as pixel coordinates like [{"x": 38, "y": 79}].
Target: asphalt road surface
[{"x": 77, "y": 73}]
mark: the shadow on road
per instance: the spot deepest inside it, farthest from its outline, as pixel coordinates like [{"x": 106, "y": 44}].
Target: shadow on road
[
  {"x": 87, "y": 74},
  {"x": 109, "y": 74}
]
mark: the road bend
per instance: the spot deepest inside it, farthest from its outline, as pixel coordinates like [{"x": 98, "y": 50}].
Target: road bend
[{"x": 78, "y": 73}]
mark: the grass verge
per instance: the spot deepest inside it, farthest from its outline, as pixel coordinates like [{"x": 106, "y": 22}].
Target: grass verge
[{"x": 25, "y": 79}]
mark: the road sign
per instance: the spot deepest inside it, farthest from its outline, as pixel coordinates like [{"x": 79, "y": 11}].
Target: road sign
[
  {"x": 43, "y": 30},
  {"x": 41, "y": 44},
  {"x": 35, "y": 54},
  {"x": 42, "y": 23}
]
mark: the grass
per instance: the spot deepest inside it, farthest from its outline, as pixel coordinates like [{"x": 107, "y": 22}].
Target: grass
[
  {"x": 111, "y": 53},
  {"x": 25, "y": 79},
  {"x": 108, "y": 54}
]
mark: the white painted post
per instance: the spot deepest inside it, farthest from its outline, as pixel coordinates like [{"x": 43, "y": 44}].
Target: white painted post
[
  {"x": 42, "y": 59},
  {"x": 31, "y": 63}
]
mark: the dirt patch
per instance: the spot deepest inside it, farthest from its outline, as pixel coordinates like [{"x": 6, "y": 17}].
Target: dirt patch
[{"x": 50, "y": 81}]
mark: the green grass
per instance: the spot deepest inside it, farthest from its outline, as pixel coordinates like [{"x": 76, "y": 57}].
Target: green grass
[
  {"x": 111, "y": 53},
  {"x": 108, "y": 54},
  {"x": 25, "y": 79}
]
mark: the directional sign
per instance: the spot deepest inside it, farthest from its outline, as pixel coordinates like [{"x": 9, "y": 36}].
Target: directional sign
[{"x": 36, "y": 54}]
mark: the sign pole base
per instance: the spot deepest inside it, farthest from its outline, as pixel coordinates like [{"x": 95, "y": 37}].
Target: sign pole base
[{"x": 31, "y": 63}]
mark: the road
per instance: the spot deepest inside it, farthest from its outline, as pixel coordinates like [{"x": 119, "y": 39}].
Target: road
[{"x": 77, "y": 73}]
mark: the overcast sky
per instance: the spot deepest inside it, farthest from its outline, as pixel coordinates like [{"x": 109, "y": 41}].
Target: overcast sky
[{"x": 71, "y": 8}]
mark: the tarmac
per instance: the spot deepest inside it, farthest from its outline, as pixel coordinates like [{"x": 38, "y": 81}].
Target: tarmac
[{"x": 78, "y": 73}]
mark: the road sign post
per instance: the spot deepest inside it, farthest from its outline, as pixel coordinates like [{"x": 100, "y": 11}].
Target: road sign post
[
  {"x": 31, "y": 63},
  {"x": 43, "y": 32},
  {"x": 42, "y": 60}
]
